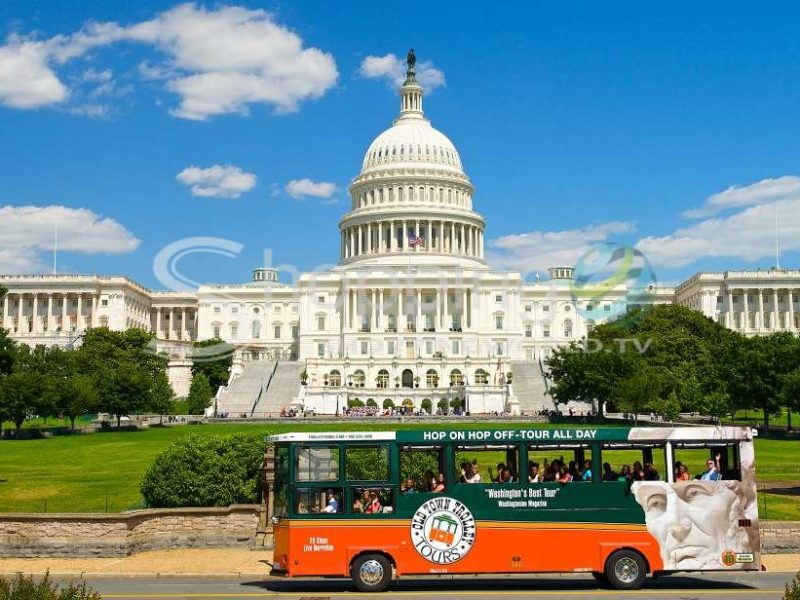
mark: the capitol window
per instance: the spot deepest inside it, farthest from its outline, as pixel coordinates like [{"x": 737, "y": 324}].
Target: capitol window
[
  {"x": 456, "y": 347},
  {"x": 607, "y": 307},
  {"x": 104, "y": 302},
  {"x": 256, "y": 329},
  {"x": 234, "y": 331},
  {"x": 390, "y": 347},
  {"x": 527, "y": 308},
  {"x": 546, "y": 331},
  {"x": 546, "y": 308},
  {"x": 234, "y": 310},
  {"x": 498, "y": 321},
  {"x": 321, "y": 323},
  {"x": 216, "y": 310},
  {"x": 498, "y": 299},
  {"x": 364, "y": 348},
  {"x": 277, "y": 332},
  {"x": 321, "y": 349},
  {"x": 498, "y": 348},
  {"x": 528, "y": 331}
]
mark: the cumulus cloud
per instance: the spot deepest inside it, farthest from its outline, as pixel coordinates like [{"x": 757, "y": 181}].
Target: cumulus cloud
[
  {"x": 28, "y": 232},
  {"x": 392, "y": 69},
  {"x": 737, "y": 196},
  {"x": 26, "y": 80},
  {"x": 217, "y": 61},
  {"x": 217, "y": 181},
  {"x": 303, "y": 188},
  {"x": 539, "y": 250}
]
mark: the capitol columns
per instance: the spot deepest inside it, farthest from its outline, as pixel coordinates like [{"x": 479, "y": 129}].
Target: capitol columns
[
  {"x": 775, "y": 321},
  {"x": 761, "y": 324},
  {"x": 790, "y": 315},
  {"x": 746, "y": 323},
  {"x": 730, "y": 309},
  {"x": 35, "y": 314}
]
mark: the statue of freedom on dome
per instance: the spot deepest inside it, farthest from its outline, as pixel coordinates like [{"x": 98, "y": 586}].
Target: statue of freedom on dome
[{"x": 411, "y": 59}]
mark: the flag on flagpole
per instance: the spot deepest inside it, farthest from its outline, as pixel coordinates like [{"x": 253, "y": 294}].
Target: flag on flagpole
[{"x": 414, "y": 241}]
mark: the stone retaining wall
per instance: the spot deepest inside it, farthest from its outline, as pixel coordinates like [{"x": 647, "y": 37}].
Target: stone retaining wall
[
  {"x": 779, "y": 537},
  {"x": 83, "y": 535}
]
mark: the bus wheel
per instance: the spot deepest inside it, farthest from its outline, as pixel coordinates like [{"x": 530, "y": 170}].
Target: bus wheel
[
  {"x": 626, "y": 570},
  {"x": 371, "y": 573}
]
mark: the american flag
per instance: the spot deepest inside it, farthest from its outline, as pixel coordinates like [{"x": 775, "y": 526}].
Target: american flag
[{"x": 413, "y": 240}]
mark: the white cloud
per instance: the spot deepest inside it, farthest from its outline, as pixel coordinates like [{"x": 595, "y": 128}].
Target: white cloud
[
  {"x": 539, "y": 250},
  {"x": 218, "y": 61},
  {"x": 302, "y": 188},
  {"x": 393, "y": 69},
  {"x": 737, "y": 196},
  {"x": 28, "y": 232},
  {"x": 217, "y": 181},
  {"x": 97, "y": 76},
  {"x": 26, "y": 80}
]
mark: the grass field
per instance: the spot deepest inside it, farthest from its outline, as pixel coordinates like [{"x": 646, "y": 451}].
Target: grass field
[{"x": 102, "y": 471}]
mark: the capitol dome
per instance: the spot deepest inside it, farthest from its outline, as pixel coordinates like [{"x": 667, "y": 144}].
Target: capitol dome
[{"x": 412, "y": 196}]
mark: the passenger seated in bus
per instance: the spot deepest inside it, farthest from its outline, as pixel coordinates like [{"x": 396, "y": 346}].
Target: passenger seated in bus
[
  {"x": 469, "y": 473},
  {"x": 374, "y": 506},
  {"x": 682, "y": 474},
  {"x": 625, "y": 474},
  {"x": 408, "y": 487},
  {"x": 429, "y": 481},
  {"x": 586, "y": 474},
  {"x": 608, "y": 473},
  {"x": 551, "y": 471},
  {"x": 358, "y": 505},
  {"x": 438, "y": 486},
  {"x": 650, "y": 473},
  {"x": 712, "y": 472},
  {"x": 500, "y": 467},
  {"x": 534, "y": 475},
  {"x": 332, "y": 505},
  {"x": 638, "y": 471},
  {"x": 573, "y": 470},
  {"x": 565, "y": 476}
]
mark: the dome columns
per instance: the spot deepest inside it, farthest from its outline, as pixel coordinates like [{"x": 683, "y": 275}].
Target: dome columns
[{"x": 404, "y": 235}]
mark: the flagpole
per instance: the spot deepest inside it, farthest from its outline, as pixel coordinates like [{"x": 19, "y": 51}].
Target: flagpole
[{"x": 55, "y": 249}]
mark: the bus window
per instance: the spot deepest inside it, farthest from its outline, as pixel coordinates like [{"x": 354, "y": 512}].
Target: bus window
[
  {"x": 487, "y": 464},
  {"x": 373, "y": 500},
  {"x": 367, "y": 463},
  {"x": 421, "y": 468},
  {"x": 633, "y": 462},
  {"x": 317, "y": 463},
  {"x": 563, "y": 463},
  {"x": 324, "y": 501},
  {"x": 281, "y": 480},
  {"x": 696, "y": 460}
]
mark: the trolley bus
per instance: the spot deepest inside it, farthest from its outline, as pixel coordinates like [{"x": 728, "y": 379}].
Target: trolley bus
[{"x": 618, "y": 503}]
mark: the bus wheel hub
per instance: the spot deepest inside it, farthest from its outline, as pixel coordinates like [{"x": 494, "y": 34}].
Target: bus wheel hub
[
  {"x": 626, "y": 569},
  {"x": 371, "y": 572}
]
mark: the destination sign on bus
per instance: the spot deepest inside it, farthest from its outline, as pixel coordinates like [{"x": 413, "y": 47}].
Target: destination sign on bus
[{"x": 509, "y": 435}]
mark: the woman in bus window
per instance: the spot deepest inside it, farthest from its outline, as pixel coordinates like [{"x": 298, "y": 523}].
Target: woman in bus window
[
  {"x": 565, "y": 476},
  {"x": 374, "y": 506},
  {"x": 683, "y": 474},
  {"x": 438, "y": 486},
  {"x": 625, "y": 474},
  {"x": 429, "y": 481}
]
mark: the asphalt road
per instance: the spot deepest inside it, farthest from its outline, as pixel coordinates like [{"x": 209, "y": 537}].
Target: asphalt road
[{"x": 723, "y": 586}]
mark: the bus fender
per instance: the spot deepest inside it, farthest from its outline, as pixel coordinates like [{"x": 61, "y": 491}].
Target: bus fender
[{"x": 607, "y": 550}]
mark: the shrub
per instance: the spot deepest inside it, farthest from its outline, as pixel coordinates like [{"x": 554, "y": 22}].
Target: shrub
[
  {"x": 206, "y": 471},
  {"x": 355, "y": 403},
  {"x": 371, "y": 402},
  {"x": 26, "y": 588},
  {"x": 426, "y": 405},
  {"x": 388, "y": 404},
  {"x": 793, "y": 589}
]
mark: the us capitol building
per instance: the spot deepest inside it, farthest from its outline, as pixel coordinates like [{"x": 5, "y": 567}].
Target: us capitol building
[{"x": 412, "y": 313}]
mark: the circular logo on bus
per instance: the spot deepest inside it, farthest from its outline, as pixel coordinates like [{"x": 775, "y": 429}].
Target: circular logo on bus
[
  {"x": 443, "y": 530},
  {"x": 728, "y": 558}
]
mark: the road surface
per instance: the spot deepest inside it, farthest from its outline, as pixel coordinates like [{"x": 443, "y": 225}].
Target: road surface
[{"x": 722, "y": 586}]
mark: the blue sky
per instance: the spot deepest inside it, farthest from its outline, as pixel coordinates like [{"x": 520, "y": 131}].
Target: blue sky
[{"x": 673, "y": 128}]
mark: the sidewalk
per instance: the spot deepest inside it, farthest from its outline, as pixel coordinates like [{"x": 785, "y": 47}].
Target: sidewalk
[{"x": 233, "y": 562}]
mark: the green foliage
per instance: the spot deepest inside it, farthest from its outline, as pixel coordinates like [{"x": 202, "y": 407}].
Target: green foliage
[
  {"x": 371, "y": 402},
  {"x": 354, "y": 403},
  {"x": 443, "y": 404},
  {"x": 388, "y": 404},
  {"x": 206, "y": 471},
  {"x": 426, "y": 405},
  {"x": 24, "y": 587},
  {"x": 415, "y": 464},
  {"x": 200, "y": 395},
  {"x": 456, "y": 403},
  {"x": 213, "y": 358},
  {"x": 161, "y": 395},
  {"x": 693, "y": 364},
  {"x": 793, "y": 589}
]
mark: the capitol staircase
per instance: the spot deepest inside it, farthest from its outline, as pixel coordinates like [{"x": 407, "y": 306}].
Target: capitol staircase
[
  {"x": 530, "y": 388},
  {"x": 263, "y": 389}
]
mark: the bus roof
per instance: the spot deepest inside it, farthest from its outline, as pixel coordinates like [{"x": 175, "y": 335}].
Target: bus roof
[{"x": 524, "y": 434}]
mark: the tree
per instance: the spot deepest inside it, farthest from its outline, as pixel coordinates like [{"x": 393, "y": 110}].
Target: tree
[
  {"x": 639, "y": 392},
  {"x": 426, "y": 405},
  {"x": 123, "y": 390},
  {"x": 79, "y": 397},
  {"x": 19, "y": 392},
  {"x": 213, "y": 358},
  {"x": 388, "y": 404},
  {"x": 371, "y": 403},
  {"x": 200, "y": 395},
  {"x": 790, "y": 393},
  {"x": 161, "y": 396}
]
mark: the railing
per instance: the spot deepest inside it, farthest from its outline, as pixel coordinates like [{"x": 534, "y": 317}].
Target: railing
[{"x": 264, "y": 388}]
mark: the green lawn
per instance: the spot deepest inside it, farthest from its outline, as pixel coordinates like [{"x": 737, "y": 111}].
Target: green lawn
[{"x": 87, "y": 473}]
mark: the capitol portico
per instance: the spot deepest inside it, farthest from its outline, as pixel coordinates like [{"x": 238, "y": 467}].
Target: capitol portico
[{"x": 412, "y": 314}]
